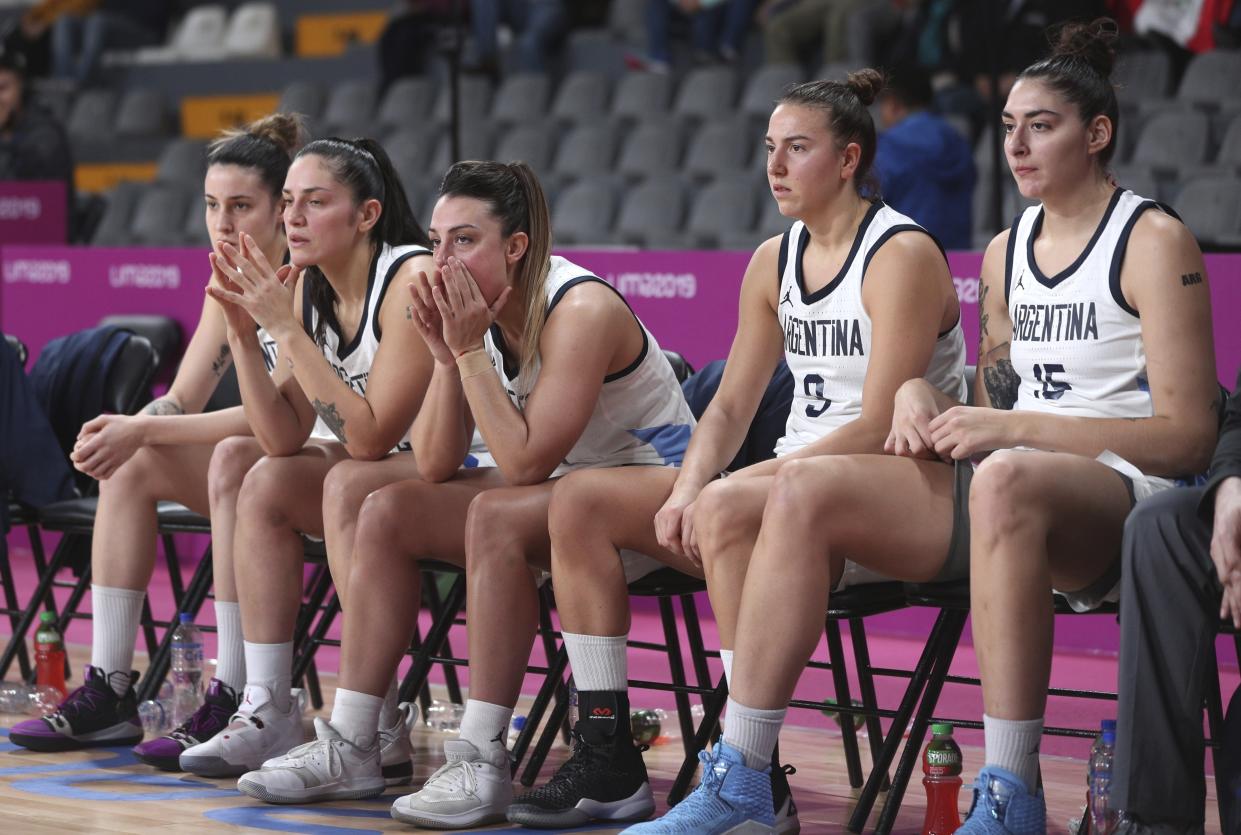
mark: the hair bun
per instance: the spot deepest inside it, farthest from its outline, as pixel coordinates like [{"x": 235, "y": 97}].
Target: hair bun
[
  {"x": 285, "y": 130},
  {"x": 865, "y": 84},
  {"x": 1089, "y": 42}
]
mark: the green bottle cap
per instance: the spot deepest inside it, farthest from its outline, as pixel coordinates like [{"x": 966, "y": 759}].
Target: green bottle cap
[
  {"x": 942, "y": 729},
  {"x": 47, "y": 617}
]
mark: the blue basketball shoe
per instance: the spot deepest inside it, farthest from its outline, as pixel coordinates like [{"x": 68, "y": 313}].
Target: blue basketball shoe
[
  {"x": 1002, "y": 806},
  {"x": 730, "y": 799}
]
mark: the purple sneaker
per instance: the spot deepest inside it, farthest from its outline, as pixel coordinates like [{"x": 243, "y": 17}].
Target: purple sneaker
[
  {"x": 211, "y": 717},
  {"x": 91, "y": 716}
]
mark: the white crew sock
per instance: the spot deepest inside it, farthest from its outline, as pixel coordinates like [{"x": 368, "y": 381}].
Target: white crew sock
[
  {"x": 230, "y": 653},
  {"x": 485, "y": 725},
  {"x": 389, "y": 711},
  {"x": 270, "y": 666},
  {"x": 1012, "y": 744},
  {"x": 753, "y": 732},
  {"x": 115, "y": 614},
  {"x": 598, "y": 661},
  {"x": 726, "y": 656},
  {"x": 355, "y": 716}
]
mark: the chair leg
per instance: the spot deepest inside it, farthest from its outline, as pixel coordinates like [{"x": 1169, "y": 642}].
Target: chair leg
[
  {"x": 306, "y": 657},
  {"x": 676, "y": 667},
  {"x": 552, "y": 684},
  {"x": 711, "y": 710},
  {"x": 548, "y": 635},
  {"x": 10, "y": 603},
  {"x": 450, "y": 670},
  {"x": 697, "y": 650},
  {"x": 1215, "y": 715},
  {"x": 840, "y": 682},
  {"x": 917, "y": 732},
  {"x": 195, "y": 595},
  {"x": 913, "y": 692},
  {"x": 174, "y": 570},
  {"x": 42, "y": 592},
  {"x": 424, "y": 692},
  {"x": 421, "y": 667},
  {"x": 866, "y": 685},
  {"x": 40, "y": 561}
]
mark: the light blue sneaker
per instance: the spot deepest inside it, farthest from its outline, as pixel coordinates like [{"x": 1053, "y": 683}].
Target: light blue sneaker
[
  {"x": 1002, "y": 806},
  {"x": 730, "y": 800}
]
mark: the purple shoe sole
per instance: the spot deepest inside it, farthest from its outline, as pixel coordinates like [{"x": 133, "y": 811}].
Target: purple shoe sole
[
  {"x": 36, "y": 735},
  {"x": 163, "y": 753}
]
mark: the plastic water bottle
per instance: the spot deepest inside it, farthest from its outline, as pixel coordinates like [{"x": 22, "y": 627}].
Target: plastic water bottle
[
  {"x": 49, "y": 654},
  {"x": 187, "y": 669},
  {"x": 30, "y": 699},
  {"x": 941, "y": 767},
  {"x": 1102, "y": 816},
  {"x": 445, "y": 717}
]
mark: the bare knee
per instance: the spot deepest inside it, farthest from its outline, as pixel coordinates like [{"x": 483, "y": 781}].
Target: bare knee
[
  {"x": 264, "y": 491},
  {"x": 1004, "y": 502},
  {"x": 580, "y": 502},
  {"x": 345, "y": 488},
  {"x": 721, "y": 518},
  {"x": 382, "y": 513},
  {"x": 230, "y": 461},
  {"x": 489, "y": 531},
  {"x": 132, "y": 480}
]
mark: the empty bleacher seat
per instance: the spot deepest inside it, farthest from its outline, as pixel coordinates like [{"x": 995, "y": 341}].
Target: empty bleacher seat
[
  {"x": 582, "y": 98},
  {"x": 476, "y": 143},
  {"x": 522, "y": 98},
  {"x": 1172, "y": 140},
  {"x": 719, "y": 147},
  {"x": 707, "y": 93},
  {"x": 113, "y": 228},
  {"x": 532, "y": 144},
  {"x": 583, "y": 212},
  {"x": 587, "y": 149},
  {"x": 198, "y": 37},
  {"x": 350, "y": 106},
  {"x": 1139, "y": 179},
  {"x": 183, "y": 161},
  {"x": 194, "y": 228},
  {"x": 91, "y": 115},
  {"x": 159, "y": 215},
  {"x": 721, "y": 211},
  {"x": 410, "y": 150},
  {"x": 650, "y": 210},
  {"x": 767, "y": 85},
  {"x": 407, "y": 103},
  {"x": 1211, "y": 77},
  {"x": 253, "y": 32},
  {"x": 641, "y": 95},
  {"x": 304, "y": 97},
  {"x": 1211, "y": 208},
  {"x": 653, "y": 147},
  {"x": 141, "y": 113},
  {"x": 1229, "y": 157},
  {"x": 1142, "y": 75},
  {"x": 475, "y": 101}
]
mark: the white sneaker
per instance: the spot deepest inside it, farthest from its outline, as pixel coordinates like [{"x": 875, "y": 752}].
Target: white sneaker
[
  {"x": 396, "y": 752},
  {"x": 256, "y": 732},
  {"x": 329, "y": 767},
  {"x": 471, "y": 789}
]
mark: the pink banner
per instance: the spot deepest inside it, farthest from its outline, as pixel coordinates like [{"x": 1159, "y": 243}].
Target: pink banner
[{"x": 32, "y": 212}]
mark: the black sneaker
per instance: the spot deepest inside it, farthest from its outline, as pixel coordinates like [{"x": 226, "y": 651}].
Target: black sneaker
[
  {"x": 92, "y": 716},
  {"x": 787, "y": 822},
  {"x": 604, "y": 780}
]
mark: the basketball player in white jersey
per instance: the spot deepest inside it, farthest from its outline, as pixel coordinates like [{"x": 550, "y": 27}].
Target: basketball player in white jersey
[
  {"x": 557, "y": 374},
  {"x": 351, "y": 376},
  {"x": 163, "y": 454}
]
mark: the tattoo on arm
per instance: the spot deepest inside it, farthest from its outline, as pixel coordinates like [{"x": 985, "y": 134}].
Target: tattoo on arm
[
  {"x": 409, "y": 312},
  {"x": 1190, "y": 279},
  {"x": 332, "y": 418},
  {"x": 1000, "y": 378},
  {"x": 983, "y": 316},
  {"x": 221, "y": 360},
  {"x": 163, "y": 406}
]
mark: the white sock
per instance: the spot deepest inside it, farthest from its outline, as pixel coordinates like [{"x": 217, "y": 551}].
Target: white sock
[
  {"x": 726, "y": 656},
  {"x": 485, "y": 725},
  {"x": 753, "y": 732},
  {"x": 598, "y": 662},
  {"x": 1012, "y": 744},
  {"x": 388, "y": 712},
  {"x": 270, "y": 666},
  {"x": 230, "y": 660},
  {"x": 115, "y": 614},
  {"x": 355, "y": 716}
]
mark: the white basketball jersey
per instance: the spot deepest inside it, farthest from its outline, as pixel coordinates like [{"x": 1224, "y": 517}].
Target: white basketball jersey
[
  {"x": 1077, "y": 344},
  {"x": 352, "y": 362},
  {"x": 641, "y": 416},
  {"x": 827, "y": 334}
]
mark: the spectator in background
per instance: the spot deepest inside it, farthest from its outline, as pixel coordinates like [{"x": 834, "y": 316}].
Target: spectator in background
[
  {"x": 792, "y": 29},
  {"x": 409, "y": 38},
  {"x": 537, "y": 26},
  {"x": 33, "y": 145},
  {"x": 925, "y": 165},
  {"x": 79, "y": 39},
  {"x": 717, "y": 30}
]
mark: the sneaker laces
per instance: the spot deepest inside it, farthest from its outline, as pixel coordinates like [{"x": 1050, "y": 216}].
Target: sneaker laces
[
  {"x": 457, "y": 777},
  {"x": 83, "y": 700},
  {"x": 316, "y": 749},
  {"x": 209, "y": 715}
]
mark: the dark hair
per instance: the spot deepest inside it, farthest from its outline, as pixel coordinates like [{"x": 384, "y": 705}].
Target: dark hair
[
  {"x": 364, "y": 167},
  {"x": 515, "y": 197},
  {"x": 13, "y": 60},
  {"x": 265, "y": 145},
  {"x": 846, "y": 103},
  {"x": 1080, "y": 70},
  {"x": 910, "y": 85}
]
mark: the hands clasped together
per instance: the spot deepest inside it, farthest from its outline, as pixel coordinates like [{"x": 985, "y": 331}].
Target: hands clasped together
[{"x": 450, "y": 311}]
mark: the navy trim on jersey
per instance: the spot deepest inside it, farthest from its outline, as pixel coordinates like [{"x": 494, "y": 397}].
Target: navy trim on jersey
[
  {"x": 1118, "y": 257},
  {"x": 307, "y": 310},
  {"x": 883, "y": 239},
  {"x": 1037, "y": 226},
  {"x": 784, "y": 259},
  {"x": 1009, "y": 252},
  {"x": 583, "y": 279},
  {"x": 825, "y": 291},
  {"x": 383, "y": 291},
  {"x": 334, "y": 324}
]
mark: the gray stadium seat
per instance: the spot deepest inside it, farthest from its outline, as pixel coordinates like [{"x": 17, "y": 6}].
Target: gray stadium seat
[
  {"x": 158, "y": 218},
  {"x": 407, "y": 103},
  {"x": 1172, "y": 141},
  {"x": 650, "y": 210},
  {"x": 304, "y": 97},
  {"x": 767, "y": 85},
  {"x": 653, "y": 147},
  {"x": 582, "y": 98},
  {"x": 1138, "y": 179},
  {"x": 719, "y": 147},
  {"x": 587, "y": 149},
  {"x": 1212, "y": 77},
  {"x": 183, "y": 161},
  {"x": 142, "y": 113},
  {"x": 522, "y": 98},
  {"x": 583, "y": 213},
  {"x": 350, "y": 106},
  {"x": 707, "y": 93},
  {"x": 721, "y": 210},
  {"x": 532, "y": 144},
  {"x": 770, "y": 221},
  {"x": 1142, "y": 75},
  {"x": 1211, "y": 208},
  {"x": 194, "y": 231},
  {"x": 253, "y": 31},
  {"x": 1230, "y": 148},
  {"x": 410, "y": 149},
  {"x": 627, "y": 18},
  {"x": 475, "y": 100},
  {"x": 92, "y": 114},
  {"x": 476, "y": 143},
  {"x": 641, "y": 95},
  {"x": 113, "y": 228}
]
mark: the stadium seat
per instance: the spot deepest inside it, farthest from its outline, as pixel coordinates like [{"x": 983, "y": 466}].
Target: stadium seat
[
  {"x": 141, "y": 114},
  {"x": 766, "y": 85},
  {"x": 304, "y": 97},
  {"x": 198, "y": 37},
  {"x": 113, "y": 228},
  {"x": 183, "y": 161},
  {"x": 707, "y": 93},
  {"x": 1172, "y": 141},
  {"x": 654, "y": 147},
  {"x": 627, "y": 19},
  {"x": 719, "y": 147},
  {"x": 475, "y": 101},
  {"x": 1211, "y": 208},
  {"x": 159, "y": 215},
  {"x": 595, "y": 50},
  {"x": 587, "y": 149},
  {"x": 1138, "y": 179},
  {"x": 521, "y": 98},
  {"x": 193, "y": 229},
  {"x": 1142, "y": 75},
  {"x": 253, "y": 32},
  {"x": 532, "y": 144},
  {"x": 350, "y": 106},
  {"x": 584, "y": 211},
  {"x": 1229, "y": 157},
  {"x": 476, "y": 143},
  {"x": 407, "y": 103},
  {"x": 410, "y": 150},
  {"x": 582, "y": 98},
  {"x": 641, "y": 96},
  {"x": 90, "y": 119},
  {"x": 721, "y": 210},
  {"x": 770, "y": 221},
  {"x": 1211, "y": 77},
  {"x": 650, "y": 210}
]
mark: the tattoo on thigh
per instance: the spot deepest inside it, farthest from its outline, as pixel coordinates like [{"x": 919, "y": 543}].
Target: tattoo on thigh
[
  {"x": 163, "y": 407},
  {"x": 331, "y": 417},
  {"x": 221, "y": 361}
]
